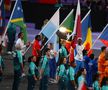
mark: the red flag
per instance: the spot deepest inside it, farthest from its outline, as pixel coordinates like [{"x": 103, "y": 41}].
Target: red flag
[{"x": 77, "y": 26}]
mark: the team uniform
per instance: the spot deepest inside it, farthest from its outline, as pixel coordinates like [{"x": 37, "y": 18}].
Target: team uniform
[
  {"x": 33, "y": 70},
  {"x": 45, "y": 76},
  {"x": 71, "y": 74},
  {"x": 18, "y": 60},
  {"x": 96, "y": 85},
  {"x": 63, "y": 80}
]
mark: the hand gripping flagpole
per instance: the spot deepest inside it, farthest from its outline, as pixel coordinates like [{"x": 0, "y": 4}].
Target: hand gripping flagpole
[
  {"x": 81, "y": 22},
  {"x": 40, "y": 32},
  {"x": 9, "y": 21}
]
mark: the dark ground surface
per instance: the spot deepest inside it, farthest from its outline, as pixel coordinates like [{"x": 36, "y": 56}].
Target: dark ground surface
[
  {"x": 7, "y": 81},
  {"x": 6, "y": 84}
]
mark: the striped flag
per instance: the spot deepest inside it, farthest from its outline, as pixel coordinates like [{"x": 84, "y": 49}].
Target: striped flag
[
  {"x": 104, "y": 36},
  {"x": 86, "y": 31}
]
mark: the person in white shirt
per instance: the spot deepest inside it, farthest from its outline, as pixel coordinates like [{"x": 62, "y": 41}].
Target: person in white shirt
[
  {"x": 20, "y": 42},
  {"x": 79, "y": 55}
]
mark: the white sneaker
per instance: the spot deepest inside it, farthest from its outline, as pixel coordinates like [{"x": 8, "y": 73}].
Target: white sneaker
[
  {"x": 23, "y": 75},
  {"x": 9, "y": 52}
]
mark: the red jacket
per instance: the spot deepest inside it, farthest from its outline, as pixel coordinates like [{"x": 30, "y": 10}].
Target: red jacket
[{"x": 35, "y": 48}]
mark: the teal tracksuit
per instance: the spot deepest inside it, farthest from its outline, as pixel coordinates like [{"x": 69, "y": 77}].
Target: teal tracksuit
[
  {"x": 71, "y": 74},
  {"x": 18, "y": 60},
  {"x": 44, "y": 80},
  {"x": 105, "y": 87},
  {"x": 96, "y": 85},
  {"x": 33, "y": 70},
  {"x": 62, "y": 84},
  {"x": 63, "y": 52}
]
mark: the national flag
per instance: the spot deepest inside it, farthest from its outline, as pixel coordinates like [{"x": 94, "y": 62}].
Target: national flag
[
  {"x": 77, "y": 24},
  {"x": 18, "y": 18},
  {"x": 76, "y": 31},
  {"x": 86, "y": 32},
  {"x": 67, "y": 27},
  {"x": 104, "y": 36},
  {"x": 51, "y": 27},
  {"x": 2, "y": 18},
  {"x": 68, "y": 24}
]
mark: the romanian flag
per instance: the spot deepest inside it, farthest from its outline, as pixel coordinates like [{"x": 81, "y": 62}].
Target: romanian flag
[
  {"x": 104, "y": 36},
  {"x": 2, "y": 18},
  {"x": 17, "y": 18},
  {"x": 86, "y": 32}
]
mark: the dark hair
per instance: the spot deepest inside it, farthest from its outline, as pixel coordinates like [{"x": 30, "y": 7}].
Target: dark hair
[
  {"x": 95, "y": 77},
  {"x": 46, "y": 50},
  {"x": 37, "y": 37},
  {"x": 84, "y": 52},
  {"x": 30, "y": 58},
  {"x": 78, "y": 74},
  {"x": 19, "y": 35},
  {"x": 61, "y": 60},
  {"x": 104, "y": 81},
  {"x": 103, "y": 48},
  {"x": 91, "y": 56}
]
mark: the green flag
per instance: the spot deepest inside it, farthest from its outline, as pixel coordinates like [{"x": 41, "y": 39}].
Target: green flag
[
  {"x": 68, "y": 23},
  {"x": 17, "y": 18}
]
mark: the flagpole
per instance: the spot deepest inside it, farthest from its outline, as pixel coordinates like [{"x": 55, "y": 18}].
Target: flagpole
[
  {"x": 81, "y": 22},
  {"x": 42, "y": 30},
  {"x": 99, "y": 36},
  {"x": 86, "y": 15},
  {"x": 77, "y": 12},
  {"x": 48, "y": 21},
  {"x": 57, "y": 28},
  {"x": 9, "y": 20}
]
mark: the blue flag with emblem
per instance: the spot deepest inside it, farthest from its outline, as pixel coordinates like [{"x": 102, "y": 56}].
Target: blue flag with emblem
[{"x": 17, "y": 18}]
